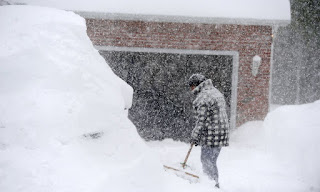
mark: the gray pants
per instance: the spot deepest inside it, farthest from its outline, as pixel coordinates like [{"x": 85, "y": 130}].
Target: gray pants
[{"x": 209, "y": 156}]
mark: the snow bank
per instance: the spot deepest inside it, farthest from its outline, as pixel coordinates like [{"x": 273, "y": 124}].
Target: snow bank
[
  {"x": 293, "y": 134},
  {"x": 63, "y": 126}
]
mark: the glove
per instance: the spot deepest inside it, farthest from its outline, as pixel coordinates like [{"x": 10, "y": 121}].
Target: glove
[{"x": 194, "y": 142}]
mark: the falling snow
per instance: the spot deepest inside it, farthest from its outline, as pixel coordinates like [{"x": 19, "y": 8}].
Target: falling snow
[{"x": 79, "y": 117}]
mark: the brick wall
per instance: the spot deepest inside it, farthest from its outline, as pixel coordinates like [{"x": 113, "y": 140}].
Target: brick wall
[{"x": 248, "y": 40}]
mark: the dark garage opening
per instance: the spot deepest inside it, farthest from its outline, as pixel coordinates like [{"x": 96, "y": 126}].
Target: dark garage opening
[{"x": 162, "y": 101}]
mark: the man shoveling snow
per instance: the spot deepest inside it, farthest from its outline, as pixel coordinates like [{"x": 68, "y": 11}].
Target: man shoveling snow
[{"x": 212, "y": 124}]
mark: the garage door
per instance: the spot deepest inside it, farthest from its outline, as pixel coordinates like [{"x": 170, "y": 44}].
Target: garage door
[{"x": 162, "y": 101}]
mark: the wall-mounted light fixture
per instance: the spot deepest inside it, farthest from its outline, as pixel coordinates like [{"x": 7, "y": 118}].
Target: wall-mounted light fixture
[{"x": 256, "y": 62}]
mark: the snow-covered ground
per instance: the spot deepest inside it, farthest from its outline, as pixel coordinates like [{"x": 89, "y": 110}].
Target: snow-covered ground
[
  {"x": 64, "y": 127},
  {"x": 251, "y": 164}
]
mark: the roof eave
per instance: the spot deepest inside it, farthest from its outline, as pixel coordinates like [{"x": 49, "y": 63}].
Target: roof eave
[{"x": 181, "y": 19}]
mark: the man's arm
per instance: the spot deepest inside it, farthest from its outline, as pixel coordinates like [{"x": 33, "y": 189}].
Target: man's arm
[{"x": 201, "y": 113}]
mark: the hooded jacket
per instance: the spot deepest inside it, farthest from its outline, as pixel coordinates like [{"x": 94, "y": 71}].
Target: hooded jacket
[{"x": 212, "y": 123}]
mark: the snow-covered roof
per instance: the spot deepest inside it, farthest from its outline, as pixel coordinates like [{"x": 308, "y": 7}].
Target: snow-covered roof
[{"x": 270, "y": 12}]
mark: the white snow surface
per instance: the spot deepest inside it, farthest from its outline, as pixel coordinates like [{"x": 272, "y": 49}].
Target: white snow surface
[
  {"x": 292, "y": 134},
  {"x": 55, "y": 87},
  {"x": 249, "y": 9}
]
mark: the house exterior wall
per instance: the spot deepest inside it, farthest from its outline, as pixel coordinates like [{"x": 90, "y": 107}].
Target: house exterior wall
[{"x": 247, "y": 40}]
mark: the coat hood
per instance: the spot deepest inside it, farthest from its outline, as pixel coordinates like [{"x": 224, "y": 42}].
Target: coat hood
[{"x": 205, "y": 85}]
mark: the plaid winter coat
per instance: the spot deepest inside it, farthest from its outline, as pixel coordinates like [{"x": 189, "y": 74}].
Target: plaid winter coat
[{"x": 212, "y": 123}]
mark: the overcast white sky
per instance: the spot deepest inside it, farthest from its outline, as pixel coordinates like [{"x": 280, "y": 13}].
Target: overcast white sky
[{"x": 253, "y": 9}]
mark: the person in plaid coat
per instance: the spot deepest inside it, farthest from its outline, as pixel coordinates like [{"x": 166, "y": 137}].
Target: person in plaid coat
[{"x": 211, "y": 131}]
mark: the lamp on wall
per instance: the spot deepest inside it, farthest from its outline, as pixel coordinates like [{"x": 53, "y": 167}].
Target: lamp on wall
[{"x": 256, "y": 62}]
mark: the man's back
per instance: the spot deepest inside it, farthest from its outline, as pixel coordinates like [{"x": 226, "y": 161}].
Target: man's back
[{"x": 212, "y": 123}]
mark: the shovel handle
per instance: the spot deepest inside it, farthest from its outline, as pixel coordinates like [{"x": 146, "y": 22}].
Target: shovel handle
[{"x": 186, "y": 159}]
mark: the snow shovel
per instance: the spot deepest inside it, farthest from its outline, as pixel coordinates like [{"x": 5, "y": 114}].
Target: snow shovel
[{"x": 181, "y": 172}]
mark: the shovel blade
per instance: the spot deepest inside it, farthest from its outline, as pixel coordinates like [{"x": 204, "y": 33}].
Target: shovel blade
[{"x": 183, "y": 174}]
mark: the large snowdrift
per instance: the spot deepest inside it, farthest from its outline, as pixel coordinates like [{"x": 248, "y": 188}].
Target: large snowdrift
[
  {"x": 292, "y": 136},
  {"x": 63, "y": 126}
]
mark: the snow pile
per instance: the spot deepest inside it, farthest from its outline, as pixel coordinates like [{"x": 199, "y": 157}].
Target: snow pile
[
  {"x": 63, "y": 126},
  {"x": 293, "y": 134}
]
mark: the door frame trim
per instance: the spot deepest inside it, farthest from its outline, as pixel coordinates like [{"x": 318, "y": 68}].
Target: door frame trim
[{"x": 235, "y": 67}]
